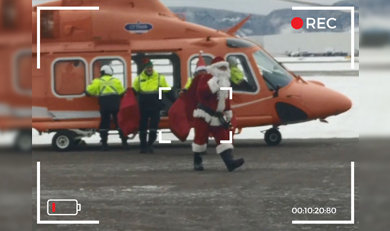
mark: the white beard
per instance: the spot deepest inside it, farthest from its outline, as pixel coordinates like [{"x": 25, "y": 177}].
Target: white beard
[{"x": 223, "y": 81}]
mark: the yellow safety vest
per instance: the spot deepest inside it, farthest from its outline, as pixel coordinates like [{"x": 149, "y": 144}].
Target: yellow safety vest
[
  {"x": 105, "y": 85},
  {"x": 149, "y": 84},
  {"x": 237, "y": 76},
  {"x": 188, "y": 84}
]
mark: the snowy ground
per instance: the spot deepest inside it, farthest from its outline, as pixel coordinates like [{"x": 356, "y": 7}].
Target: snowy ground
[
  {"x": 319, "y": 64},
  {"x": 319, "y": 67},
  {"x": 314, "y": 59},
  {"x": 342, "y": 126},
  {"x": 126, "y": 190}
]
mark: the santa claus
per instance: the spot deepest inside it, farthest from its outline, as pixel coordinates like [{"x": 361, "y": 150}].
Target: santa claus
[{"x": 213, "y": 115}]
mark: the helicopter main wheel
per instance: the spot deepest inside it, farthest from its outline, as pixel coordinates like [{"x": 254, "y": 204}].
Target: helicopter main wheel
[
  {"x": 23, "y": 141},
  {"x": 273, "y": 137},
  {"x": 64, "y": 141}
]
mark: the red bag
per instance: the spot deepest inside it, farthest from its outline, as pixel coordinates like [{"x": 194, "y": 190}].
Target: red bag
[
  {"x": 180, "y": 114},
  {"x": 128, "y": 116},
  {"x": 178, "y": 121}
]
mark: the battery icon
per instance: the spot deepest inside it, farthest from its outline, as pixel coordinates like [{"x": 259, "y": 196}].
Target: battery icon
[{"x": 63, "y": 207}]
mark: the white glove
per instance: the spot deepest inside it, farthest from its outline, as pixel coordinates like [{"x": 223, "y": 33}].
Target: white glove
[
  {"x": 213, "y": 84},
  {"x": 229, "y": 115}
]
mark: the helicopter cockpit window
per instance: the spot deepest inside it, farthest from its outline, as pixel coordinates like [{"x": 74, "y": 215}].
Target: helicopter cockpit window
[
  {"x": 23, "y": 64},
  {"x": 116, "y": 64},
  {"x": 241, "y": 77},
  {"x": 273, "y": 73},
  {"x": 69, "y": 77}
]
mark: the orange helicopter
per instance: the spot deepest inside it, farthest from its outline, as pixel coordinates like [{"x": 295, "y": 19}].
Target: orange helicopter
[
  {"x": 15, "y": 63},
  {"x": 75, "y": 44}
]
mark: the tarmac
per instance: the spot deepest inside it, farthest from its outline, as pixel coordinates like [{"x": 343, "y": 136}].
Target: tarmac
[{"x": 126, "y": 190}]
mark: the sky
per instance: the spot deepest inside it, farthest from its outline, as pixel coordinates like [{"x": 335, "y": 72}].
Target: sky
[{"x": 263, "y": 7}]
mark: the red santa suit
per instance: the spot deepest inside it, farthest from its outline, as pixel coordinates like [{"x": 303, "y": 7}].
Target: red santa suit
[
  {"x": 210, "y": 109},
  {"x": 212, "y": 100}
]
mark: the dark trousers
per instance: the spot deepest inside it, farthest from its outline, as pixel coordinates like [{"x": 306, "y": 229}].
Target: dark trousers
[
  {"x": 150, "y": 118},
  {"x": 105, "y": 122}
]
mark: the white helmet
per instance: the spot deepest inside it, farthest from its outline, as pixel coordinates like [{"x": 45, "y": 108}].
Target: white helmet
[
  {"x": 232, "y": 61},
  {"x": 106, "y": 70}
]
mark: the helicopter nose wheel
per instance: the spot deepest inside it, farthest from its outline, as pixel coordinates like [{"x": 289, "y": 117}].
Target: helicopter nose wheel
[{"x": 273, "y": 137}]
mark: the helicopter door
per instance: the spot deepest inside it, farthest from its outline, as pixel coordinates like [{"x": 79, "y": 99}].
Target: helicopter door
[{"x": 166, "y": 64}]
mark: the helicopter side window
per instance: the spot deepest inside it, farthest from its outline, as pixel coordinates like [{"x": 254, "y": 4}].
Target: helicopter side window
[
  {"x": 9, "y": 14},
  {"x": 242, "y": 78},
  {"x": 69, "y": 77},
  {"x": 47, "y": 24},
  {"x": 194, "y": 62},
  {"x": 116, "y": 63},
  {"x": 22, "y": 77}
]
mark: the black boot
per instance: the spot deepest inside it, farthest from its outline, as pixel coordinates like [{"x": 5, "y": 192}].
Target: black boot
[
  {"x": 125, "y": 145},
  {"x": 143, "y": 144},
  {"x": 152, "y": 139},
  {"x": 104, "y": 146},
  {"x": 104, "y": 138},
  {"x": 124, "y": 139},
  {"x": 198, "y": 165},
  {"x": 231, "y": 164},
  {"x": 150, "y": 149}
]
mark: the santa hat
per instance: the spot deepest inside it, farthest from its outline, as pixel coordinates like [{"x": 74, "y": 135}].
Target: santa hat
[
  {"x": 217, "y": 63},
  {"x": 201, "y": 65},
  {"x": 147, "y": 62}
]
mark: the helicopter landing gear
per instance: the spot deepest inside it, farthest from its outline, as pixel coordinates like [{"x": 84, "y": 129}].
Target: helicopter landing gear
[
  {"x": 66, "y": 140},
  {"x": 79, "y": 142},
  {"x": 23, "y": 141},
  {"x": 273, "y": 137}
]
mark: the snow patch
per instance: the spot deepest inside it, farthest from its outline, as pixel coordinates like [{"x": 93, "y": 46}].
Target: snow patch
[{"x": 232, "y": 20}]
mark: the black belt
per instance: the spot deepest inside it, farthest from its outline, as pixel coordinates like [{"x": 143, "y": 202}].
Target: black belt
[{"x": 219, "y": 115}]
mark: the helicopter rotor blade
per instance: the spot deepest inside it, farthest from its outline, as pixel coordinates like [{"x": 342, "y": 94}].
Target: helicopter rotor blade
[
  {"x": 304, "y": 2},
  {"x": 309, "y": 3}
]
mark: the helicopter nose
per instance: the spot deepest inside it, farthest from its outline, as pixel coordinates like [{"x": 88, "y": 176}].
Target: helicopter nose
[
  {"x": 327, "y": 102},
  {"x": 343, "y": 103},
  {"x": 320, "y": 102}
]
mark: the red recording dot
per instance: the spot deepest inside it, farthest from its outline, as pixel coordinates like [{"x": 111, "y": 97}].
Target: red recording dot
[{"x": 297, "y": 23}]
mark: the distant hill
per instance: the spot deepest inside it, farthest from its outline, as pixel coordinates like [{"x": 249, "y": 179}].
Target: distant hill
[{"x": 277, "y": 22}]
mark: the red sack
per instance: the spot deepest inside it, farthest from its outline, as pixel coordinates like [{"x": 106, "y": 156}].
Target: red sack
[
  {"x": 180, "y": 114},
  {"x": 178, "y": 121},
  {"x": 128, "y": 116}
]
